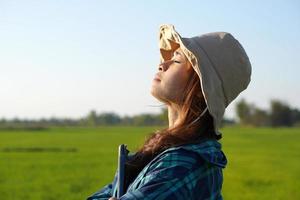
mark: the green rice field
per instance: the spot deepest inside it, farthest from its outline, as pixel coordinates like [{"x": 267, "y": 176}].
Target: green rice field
[{"x": 72, "y": 163}]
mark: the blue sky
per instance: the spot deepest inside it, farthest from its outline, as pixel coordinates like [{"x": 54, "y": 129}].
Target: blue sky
[{"x": 64, "y": 58}]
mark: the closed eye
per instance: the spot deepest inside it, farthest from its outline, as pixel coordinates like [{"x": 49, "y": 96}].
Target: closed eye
[{"x": 176, "y": 61}]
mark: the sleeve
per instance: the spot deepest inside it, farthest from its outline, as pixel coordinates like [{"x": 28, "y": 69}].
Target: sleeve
[
  {"x": 169, "y": 178},
  {"x": 105, "y": 192}
]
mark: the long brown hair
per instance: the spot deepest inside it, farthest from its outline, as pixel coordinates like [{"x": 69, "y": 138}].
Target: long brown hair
[{"x": 193, "y": 104}]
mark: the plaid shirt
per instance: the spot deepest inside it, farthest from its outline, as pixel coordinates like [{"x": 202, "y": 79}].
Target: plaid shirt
[{"x": 190, "y": 171}]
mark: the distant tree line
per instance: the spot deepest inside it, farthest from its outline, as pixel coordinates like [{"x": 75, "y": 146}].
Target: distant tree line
[
  {"x": 91, "y": 119},
  {"x": 279, "y": 114},
  {"x": 110, "y": 118}
]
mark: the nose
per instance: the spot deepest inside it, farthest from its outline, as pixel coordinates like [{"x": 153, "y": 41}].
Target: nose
[
  {"x": 164, "y": 65},
  {"x": 160, "y": 67}
]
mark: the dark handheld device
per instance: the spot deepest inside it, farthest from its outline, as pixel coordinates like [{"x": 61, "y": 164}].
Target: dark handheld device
[{"x": 123, "y": 152}]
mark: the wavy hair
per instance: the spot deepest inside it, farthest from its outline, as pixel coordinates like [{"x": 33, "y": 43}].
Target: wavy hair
[{"x": 192, "y": 104}]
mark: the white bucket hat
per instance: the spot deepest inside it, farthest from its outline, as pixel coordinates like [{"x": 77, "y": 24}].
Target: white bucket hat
[{"x": 219, "y": 60}]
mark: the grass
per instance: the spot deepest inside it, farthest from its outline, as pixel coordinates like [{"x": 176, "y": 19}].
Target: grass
[{"x": 72, "y": 163}]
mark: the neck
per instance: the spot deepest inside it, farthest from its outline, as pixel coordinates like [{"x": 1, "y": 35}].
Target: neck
[{"x": 173, "y": 115}]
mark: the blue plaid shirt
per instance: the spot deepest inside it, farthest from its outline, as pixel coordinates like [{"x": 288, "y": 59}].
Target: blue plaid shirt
[{"x": 190, "y": 171}]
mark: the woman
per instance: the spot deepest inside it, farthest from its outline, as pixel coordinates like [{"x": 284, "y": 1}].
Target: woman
[{"x": 197, "y": 78}]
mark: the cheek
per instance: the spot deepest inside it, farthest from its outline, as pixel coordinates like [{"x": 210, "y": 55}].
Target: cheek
[
  {"x": 172, "y": 85},
  {"x": 176, "y": 81}
]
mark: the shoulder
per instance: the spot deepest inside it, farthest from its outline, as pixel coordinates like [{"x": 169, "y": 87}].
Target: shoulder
[
  {"x": 175, "y": 161},
  {"x": 182, "y": 169},
  {"x": 187, "y": 159}
]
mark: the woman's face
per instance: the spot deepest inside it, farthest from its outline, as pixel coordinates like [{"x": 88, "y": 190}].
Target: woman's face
[{"x": 171, "y": 78}]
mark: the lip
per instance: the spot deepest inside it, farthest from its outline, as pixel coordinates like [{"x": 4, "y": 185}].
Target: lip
[{"x": 157, "y": 78}]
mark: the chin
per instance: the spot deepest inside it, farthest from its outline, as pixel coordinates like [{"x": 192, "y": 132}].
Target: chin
[
  {"x": 158, "y": 96},
  {"x": 153, "y": 93}
]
